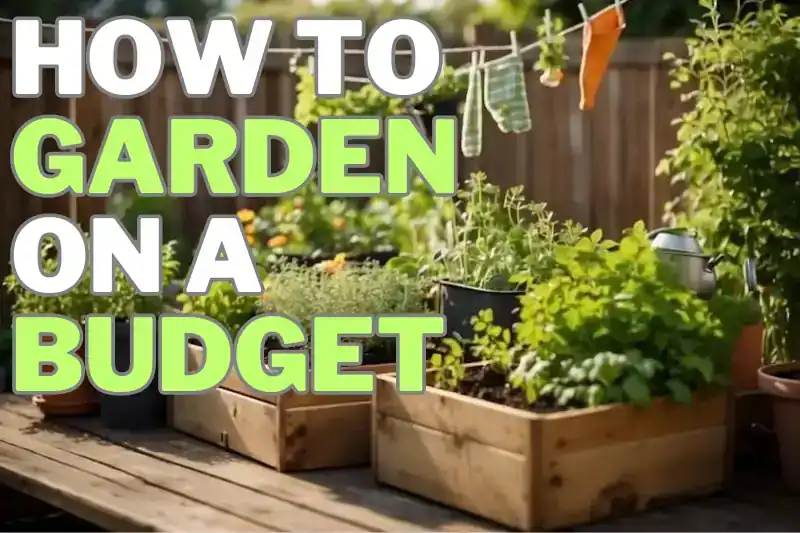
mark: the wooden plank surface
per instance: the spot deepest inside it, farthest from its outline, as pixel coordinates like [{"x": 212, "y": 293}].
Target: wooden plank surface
[{"x": 163, "y": 481}]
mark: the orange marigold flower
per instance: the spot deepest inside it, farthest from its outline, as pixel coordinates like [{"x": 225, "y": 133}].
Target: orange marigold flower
[
  {"x": 278, "y": 241},
  {"x": 339, "y": 223},
  {"x": 251, "y": 240},
  {"x": 246, "y": 215},
  {"x": 249, "y": 229}
]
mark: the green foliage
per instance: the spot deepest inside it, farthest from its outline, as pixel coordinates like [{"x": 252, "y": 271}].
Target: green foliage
[
  {"x": 223, "y": 304},
  {"x": 495, "y": 238},
  {"x": 339, "y": 288},
  {"x": 368, "y": 100},
  {"x": 309, "y": 224},
  {"x": 551, "y": 53},
  {"x": 80, "y": 301},
  {"x": 738, "y": 153},
  {"x": 613, "y": 325}
]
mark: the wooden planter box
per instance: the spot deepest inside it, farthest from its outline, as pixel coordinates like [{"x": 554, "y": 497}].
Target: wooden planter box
[
  {"x": 290, "y": 432},
  {"x": 545, "y": 471}
]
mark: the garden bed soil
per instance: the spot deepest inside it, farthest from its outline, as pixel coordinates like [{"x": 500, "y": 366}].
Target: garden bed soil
[
  {"x": 289, "y": 431},
  {"x": 540, "y": 471}
]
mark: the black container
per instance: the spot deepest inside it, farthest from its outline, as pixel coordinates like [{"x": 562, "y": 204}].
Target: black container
[
  {"x": 144, "y": 410},
  {"x": 443, "y": 108},
  {"x": 459, "y": 303},
  {"x": 308, "y": 260}
]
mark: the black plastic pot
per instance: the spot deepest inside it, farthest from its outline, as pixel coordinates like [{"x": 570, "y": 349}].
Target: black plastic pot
[
  {"x": 459, "y": 303},
  {"x": 444, "y": 108},
  {"x": 308, "y": 260},
  {"x": 144, "y": 410}
]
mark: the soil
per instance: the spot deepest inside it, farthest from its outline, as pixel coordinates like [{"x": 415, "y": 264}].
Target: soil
[
  {"x": 792, "y": 374},
  {"x": 489, "y": 385}
]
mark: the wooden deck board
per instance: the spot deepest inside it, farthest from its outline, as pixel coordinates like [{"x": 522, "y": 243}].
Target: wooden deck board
[{"x": 164, "y": 481}]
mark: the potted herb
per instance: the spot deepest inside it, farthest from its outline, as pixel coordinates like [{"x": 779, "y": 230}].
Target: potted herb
[
  {"x": 340, "y": 288},
  {"x": 737, "y": 159},
  {"x": 614, "y": 374},
  {"x": 552, "y": 58},
  {"x": 145, "y": 409},
  {"x": 74, "y": 304},
  {"x": 497, "y": 240}
]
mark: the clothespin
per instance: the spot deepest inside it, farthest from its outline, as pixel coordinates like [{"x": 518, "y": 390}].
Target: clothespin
[
  {"x": 293, "y": 62},
  {"x": 310, "y": 65},
  {"x": 475, "y": 60},
  {"x": 514, "y": 46},
  {"x": 548, "y": 24},
  {"x": 620, "y": 14},
  {"x": 482, "y": 57},
  {"x": 584, "y": 14}
]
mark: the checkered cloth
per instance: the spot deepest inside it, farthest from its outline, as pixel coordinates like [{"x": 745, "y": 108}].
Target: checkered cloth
[
  {"x": 506, "y": 96},
  {"x": 472, "y": 123}
]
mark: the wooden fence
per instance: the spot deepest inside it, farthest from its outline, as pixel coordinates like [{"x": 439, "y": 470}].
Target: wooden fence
[{"x": 595, "y": 167}]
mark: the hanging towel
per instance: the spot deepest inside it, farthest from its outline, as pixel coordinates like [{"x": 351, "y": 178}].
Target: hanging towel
[
  {"x": 505, "y": 94},
  {"x": 472, "y": 124},
  {"x": 600, "y": 36}
]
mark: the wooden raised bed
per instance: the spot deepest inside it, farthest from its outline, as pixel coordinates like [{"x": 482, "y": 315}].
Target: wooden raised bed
[
  {"x": 290, "y": 432},
  {"x": 535, "y": 471}
]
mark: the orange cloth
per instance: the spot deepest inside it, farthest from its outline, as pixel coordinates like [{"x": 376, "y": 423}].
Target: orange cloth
[{"x": 600, "y": 36}]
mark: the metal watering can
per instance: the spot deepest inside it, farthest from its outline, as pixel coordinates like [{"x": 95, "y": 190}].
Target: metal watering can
[{"x": 695, "y": 268}]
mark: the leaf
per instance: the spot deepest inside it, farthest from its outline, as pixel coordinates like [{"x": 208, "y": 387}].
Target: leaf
[
  {"x": 702, "y": 365},
  {"x": 596, "y": 236},
  {"x": 636, "y": 389},
  {"x": 679, "y": 391}
]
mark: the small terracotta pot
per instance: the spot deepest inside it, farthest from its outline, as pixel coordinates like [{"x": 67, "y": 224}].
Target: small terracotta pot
[
  {"x": 782, "y": 382},
  {"x": 81, "y": 401},
  {"x": 748, "y": 356}
]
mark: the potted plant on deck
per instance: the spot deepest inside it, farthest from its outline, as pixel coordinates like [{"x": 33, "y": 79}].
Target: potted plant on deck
[
  {"x": 604, "y": 404},
  {"x": 75, "y": 304},
  {"x": 738, "y": 161},
  {"x": 145, "y": 409},
  {"x": 498, "y": 242}
]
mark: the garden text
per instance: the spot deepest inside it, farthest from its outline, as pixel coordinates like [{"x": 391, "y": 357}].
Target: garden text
[{"x": 311, "y": 361}]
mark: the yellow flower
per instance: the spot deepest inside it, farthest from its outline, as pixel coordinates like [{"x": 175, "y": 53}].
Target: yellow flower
[
  {"x": 334, "y": 265},
  {"x": 251, "y": 240},
  {"x": 339, "y": 223},
  {"x": 249, "y": 229},
  {"x": 278, "y": 241},
  {"x": 246, "y": 215}
]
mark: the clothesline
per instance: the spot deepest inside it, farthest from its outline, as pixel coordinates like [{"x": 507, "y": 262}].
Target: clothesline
[{"x": 463, "y": 49}]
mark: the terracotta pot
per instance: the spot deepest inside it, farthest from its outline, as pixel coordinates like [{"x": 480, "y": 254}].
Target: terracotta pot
[
  {"x": 748, "y": 355},
  {"x": 782, "y": 382},
  {"x": 81, "y": 401}
]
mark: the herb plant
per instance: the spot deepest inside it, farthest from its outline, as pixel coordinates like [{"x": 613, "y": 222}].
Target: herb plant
[
  {"x": 738, "y": 153},
  {"x": 613, "y": 325},
  {"x": 223, "y": 304},
  {"x": 80, "y": 301},
  {"x": 364, "y": 288},
  {"x": 495, "y": 240}
]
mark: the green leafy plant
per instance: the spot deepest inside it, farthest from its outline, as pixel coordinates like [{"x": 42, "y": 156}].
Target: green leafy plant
[
  {"x": 495, "y": 240},
  {"x": 369, "y": 101},
  {"x": 738, "y": 153},
  {"x": 613, "y": 325},
  {"x": 223, "y": 304},
  {"x": 80, "y": 301},
  {"x": 339, "y": 288},
  {"x": 552, "y": 57}
]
